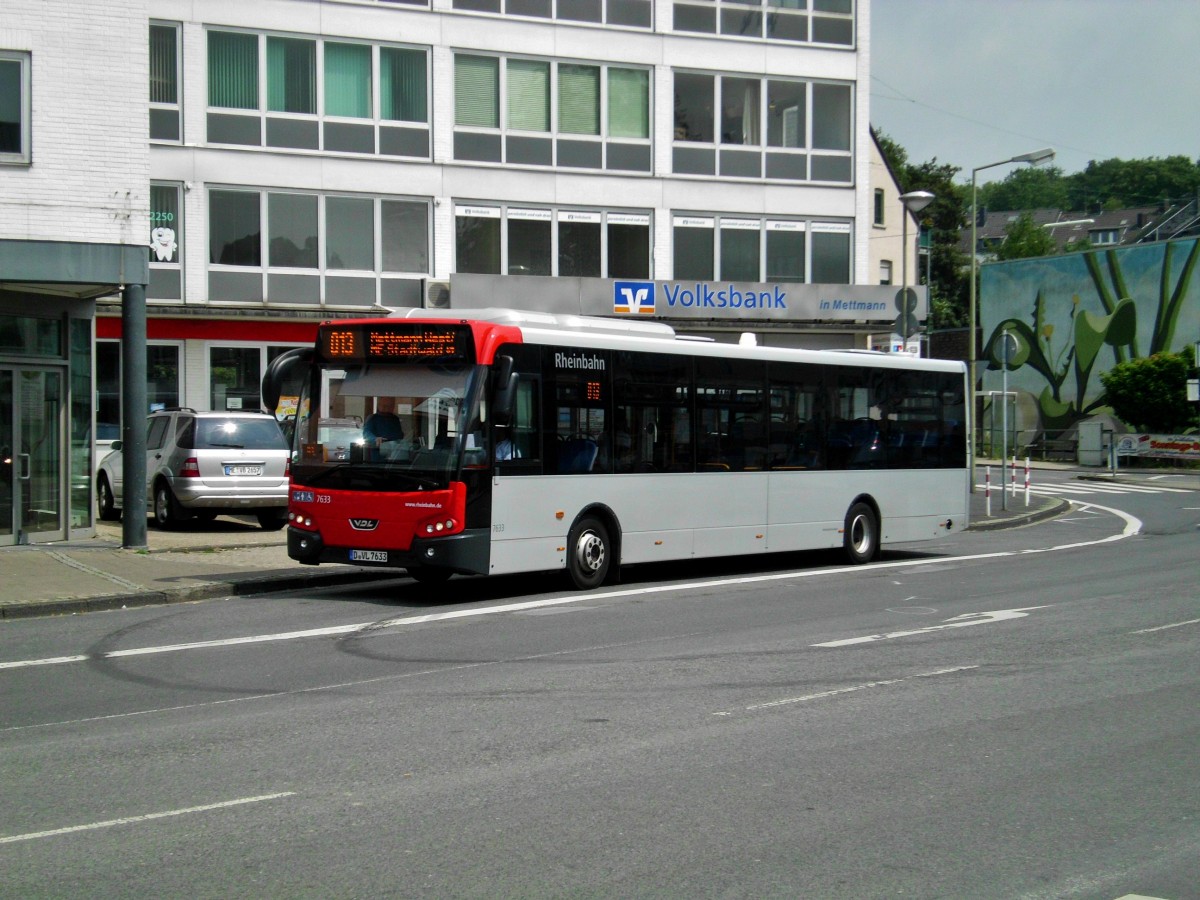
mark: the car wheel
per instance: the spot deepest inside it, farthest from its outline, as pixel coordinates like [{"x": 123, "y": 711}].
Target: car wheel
[
  {"x": 429, "y": 574},
  {"x": 167, "y": 511},
  {"x": 860, "y": 537},
  {"x": 272, "y": 520},
  {"x": 105, "y": 503},
  {"x": 589, "y": 554}
]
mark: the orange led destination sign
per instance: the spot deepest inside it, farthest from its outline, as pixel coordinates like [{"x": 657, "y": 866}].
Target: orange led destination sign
[{"x": 379, "y": 343}]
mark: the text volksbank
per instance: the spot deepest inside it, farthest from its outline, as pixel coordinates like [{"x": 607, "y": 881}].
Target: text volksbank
[
  {"x": 723, "y": 297},
  {"x": 642, "y": 297}
]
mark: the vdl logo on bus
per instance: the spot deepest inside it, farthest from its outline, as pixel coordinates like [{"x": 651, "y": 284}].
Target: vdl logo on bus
[{"x": 633, "y": 297}]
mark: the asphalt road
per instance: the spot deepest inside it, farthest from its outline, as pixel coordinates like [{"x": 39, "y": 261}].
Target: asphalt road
[{"x": 1007, "y": 714}]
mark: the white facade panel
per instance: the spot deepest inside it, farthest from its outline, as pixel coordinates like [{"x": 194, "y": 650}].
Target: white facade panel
[{"x": 86, "y": 178}]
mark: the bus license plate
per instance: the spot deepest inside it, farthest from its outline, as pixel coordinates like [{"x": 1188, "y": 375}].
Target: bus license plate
[
  {"x": 243, "y": 470},
  {"x": 369, "y": 556}
]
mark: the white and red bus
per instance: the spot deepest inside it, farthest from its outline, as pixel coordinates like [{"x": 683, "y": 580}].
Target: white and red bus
[{"x": 531, "y": 442}]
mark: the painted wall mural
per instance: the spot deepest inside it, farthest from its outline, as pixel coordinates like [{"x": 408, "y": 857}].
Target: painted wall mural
[{"x": 1072, "y": 317}]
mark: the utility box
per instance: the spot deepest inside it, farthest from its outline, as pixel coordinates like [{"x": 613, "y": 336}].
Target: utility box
[{"x": 1092, "y": 451}]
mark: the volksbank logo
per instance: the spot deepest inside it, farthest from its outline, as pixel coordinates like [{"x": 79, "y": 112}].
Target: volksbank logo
[
  {"x": 633, "y": 297},
  {"x": 640, "y": 296}
]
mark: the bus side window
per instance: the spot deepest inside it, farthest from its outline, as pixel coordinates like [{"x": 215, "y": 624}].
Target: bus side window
[{"x": 524, "y": 431}]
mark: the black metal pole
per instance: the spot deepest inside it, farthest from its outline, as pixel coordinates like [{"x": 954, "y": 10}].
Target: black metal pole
[{"x": 133, "y": 416}]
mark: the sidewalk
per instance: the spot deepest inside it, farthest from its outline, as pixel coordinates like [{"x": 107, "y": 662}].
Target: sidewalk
[
  {"x": 231, "y": 557},
  {"x": 200, "y": 560}
]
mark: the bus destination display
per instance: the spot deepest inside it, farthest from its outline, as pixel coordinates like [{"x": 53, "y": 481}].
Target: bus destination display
[{"x": 381, "y": 343}]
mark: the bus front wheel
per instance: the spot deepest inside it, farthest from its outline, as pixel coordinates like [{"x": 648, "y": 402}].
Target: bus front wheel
[
  {"x": 589, "y": 554},
  {"x": 860, "y": 537}
]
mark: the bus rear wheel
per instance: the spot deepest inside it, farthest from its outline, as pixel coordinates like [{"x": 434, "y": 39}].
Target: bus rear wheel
[
  {"x": 589, "y": 554},
  {"x": 860, "y": 537}
]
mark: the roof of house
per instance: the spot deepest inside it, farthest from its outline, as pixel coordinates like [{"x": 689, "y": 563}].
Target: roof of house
[{"x": 1120, "y": 226}]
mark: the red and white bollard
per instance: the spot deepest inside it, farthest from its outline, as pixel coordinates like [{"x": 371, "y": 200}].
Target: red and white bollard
[
  {"x": 987, "y": 490},
  {"x": 1027, "y": 481}
]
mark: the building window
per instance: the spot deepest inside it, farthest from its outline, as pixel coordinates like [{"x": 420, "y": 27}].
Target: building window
[
  {"x": 166, "y": 242},
  {"x": 162, "y": 384},
  {"x": 333, "y": 96},
  {"x": 164, "y": 83},
  {"x": 628, "y": 13},
  {"x": 757, "y": 250},
  {"x": 15, "y": 107},
  {"x": 885, "y": 271},
  {"x": 879, "y": 207},
  {"x": 235, "y": 375},
  {"x": 1103, "y": 236},
  {"x": 807, "y": 21},
  {"x": 545, "y": 113},
  {"x": 493, "y": 240},
  {"x": 830, "y": 253},
  {"x": 739, "y": 127},
  {"x": 318, "y": 249}
]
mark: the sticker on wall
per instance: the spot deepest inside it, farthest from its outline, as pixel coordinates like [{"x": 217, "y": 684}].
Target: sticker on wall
[{"x": 162, "y": 242}]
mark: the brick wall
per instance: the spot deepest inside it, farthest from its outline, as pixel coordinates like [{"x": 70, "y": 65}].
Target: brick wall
[{"x": 88, "y": 180}]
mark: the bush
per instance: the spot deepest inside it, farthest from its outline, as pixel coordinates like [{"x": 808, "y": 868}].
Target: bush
[{"x": 1150, "y": 393}]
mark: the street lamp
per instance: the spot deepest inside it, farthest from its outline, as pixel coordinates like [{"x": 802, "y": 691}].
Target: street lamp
[
  {"x": 1034, "y": 158},
  {"x": 914, "y": 202}
]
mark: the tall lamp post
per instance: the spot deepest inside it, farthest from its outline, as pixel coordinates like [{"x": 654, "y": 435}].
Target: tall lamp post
[
  {"x": 914, "y": 202},
  {"x": 1034, "y": 158}
]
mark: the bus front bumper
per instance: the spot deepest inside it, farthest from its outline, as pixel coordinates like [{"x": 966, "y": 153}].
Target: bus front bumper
[{"x": 466, "y": 553}]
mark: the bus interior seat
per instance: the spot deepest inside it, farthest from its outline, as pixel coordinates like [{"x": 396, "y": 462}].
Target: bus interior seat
[{"x": 577, "y": 456}]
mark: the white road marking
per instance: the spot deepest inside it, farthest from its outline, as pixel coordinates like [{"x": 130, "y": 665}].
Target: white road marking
[
  {"x": 963, "y": 621},
  {"x": 1101, "y": 487},
  {"x": 130, "y": 820},
  {"x": 771, "y": 704},
  {"x": 1166, "y": 627},
  {"x": 1132, "y": 527}
]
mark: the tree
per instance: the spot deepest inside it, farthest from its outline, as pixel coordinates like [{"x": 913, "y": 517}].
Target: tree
[
  {"x": 1119, "y": 184},
  {"x": 1150, "y": 393},
  {"x": 945, "y": 218},
  {"x": 1028, "y": 187},
  {"x": 1024, "y": 239},
  {"x": 1109, "y": 184}
]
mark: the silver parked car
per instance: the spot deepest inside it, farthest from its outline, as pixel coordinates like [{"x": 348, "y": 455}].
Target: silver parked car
[{"x": 205, "y": 464}]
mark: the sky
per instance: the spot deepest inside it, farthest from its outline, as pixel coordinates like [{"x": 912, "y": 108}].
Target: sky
[{"x": 973, "y": 82}]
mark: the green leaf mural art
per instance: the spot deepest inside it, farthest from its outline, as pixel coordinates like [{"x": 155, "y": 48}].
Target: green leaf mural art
[{"x": 1076, "y": 353}]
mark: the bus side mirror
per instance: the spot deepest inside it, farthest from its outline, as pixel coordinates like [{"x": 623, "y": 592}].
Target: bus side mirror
[
  {"x": 506, "y": 391},
  {"x": 282, "y": 367}
]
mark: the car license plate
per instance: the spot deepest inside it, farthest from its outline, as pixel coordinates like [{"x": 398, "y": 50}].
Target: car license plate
[
  {"x": 369, "y": 556},
  {"x": 243, "y": 470}
]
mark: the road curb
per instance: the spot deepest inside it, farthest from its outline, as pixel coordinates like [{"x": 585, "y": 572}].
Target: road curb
[{"x": 1049, "y": 511}]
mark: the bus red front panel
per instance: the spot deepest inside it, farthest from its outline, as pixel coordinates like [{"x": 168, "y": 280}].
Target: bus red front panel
[{"x": 380, "y": 520}]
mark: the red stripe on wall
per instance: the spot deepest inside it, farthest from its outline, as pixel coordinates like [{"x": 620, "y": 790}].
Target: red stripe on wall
[{"x": 262, "y": 332}]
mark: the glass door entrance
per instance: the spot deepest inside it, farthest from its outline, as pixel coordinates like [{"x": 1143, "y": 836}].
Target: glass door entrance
[{"x": 31, "y": 463}]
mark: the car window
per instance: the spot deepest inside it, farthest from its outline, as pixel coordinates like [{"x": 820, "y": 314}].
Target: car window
[
  {"x": 156, "y": 432},
  {"x": 185, "y": 431},
  {"x": 252, "y": 434}
]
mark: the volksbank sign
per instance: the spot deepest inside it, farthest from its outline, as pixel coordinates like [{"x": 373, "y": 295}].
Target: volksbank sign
[
  {"x": 707, "y": 299},
  {"x": 719, "y": 300}
]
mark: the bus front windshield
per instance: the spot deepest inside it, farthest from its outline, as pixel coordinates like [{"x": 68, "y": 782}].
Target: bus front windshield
[{"x": 388, "y": 427}]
